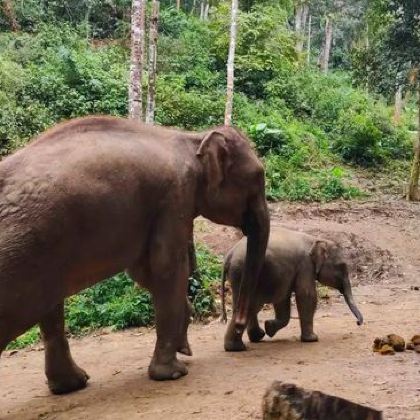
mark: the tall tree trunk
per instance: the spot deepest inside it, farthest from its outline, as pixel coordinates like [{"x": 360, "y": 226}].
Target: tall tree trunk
[
  {"x": 398, "y": 103},
  {"x": 230, "y": 63},
  {"x": 298, "y": 27},
  {"x": 194, "y": 4},
  {"x": 202, "y": 10},
  {"x": 135, "y": 91},
  {"x": 308, "y": 44},
  {"x": 305, "y": 16},
  {"x": 325, "y": 54},
  {"x": 178, "y": 4},
  {"x": 9, "y": 12},
  {"x": 413, "y": 193},
  {"x": 153, "y": 37},
  {"x": 298, "y": 16},
  {"x": 87, "y": 20},
  {"x": 206, "y": 11}
]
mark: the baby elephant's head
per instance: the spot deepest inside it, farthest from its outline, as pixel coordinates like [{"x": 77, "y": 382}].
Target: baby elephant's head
[{"x": 331, "y": 269}]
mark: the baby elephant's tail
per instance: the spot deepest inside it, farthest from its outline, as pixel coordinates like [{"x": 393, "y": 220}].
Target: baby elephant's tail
[{"x": 223, "y": 317}]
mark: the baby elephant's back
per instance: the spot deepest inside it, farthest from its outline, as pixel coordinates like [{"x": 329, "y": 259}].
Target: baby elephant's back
[{"x": 278, "y": 272}]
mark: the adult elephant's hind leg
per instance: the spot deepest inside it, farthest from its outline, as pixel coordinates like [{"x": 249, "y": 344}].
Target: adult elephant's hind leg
[
  {"x": 62, "y": 372},
  {"x": 169, "y": 289}
]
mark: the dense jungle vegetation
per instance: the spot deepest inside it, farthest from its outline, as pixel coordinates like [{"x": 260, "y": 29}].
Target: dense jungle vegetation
[{"x": 314, "y": 128}]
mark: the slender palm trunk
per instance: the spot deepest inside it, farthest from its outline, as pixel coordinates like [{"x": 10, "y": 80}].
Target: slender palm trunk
[
  {"x": 230, "y": 63},
  {"x": 135, "y": 91},
  {"x": 413, "y": 193},
  {"x": 153, "y": 37},
  {"x": 309, "y": 41}
]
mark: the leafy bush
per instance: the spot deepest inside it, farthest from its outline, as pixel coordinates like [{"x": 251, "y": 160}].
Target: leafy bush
[
  {"x": 200, "y": 289},
  {"x": 286, "y": 182},
  {"x": 369, "y": 139}
]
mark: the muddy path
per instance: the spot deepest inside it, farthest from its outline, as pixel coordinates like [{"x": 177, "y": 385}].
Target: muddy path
[{"x": 383, "y": 240}]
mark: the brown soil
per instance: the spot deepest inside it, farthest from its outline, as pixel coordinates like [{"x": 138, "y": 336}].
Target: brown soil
[{"x": 382, "y": 239}]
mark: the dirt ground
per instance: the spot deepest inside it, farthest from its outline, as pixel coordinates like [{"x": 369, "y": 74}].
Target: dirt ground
[{"x": 381, "y": 238}]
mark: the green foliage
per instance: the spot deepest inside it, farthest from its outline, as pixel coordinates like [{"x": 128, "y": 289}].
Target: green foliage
[
  {"x": 31, "y": 337},
  {"x": 56, "y": 75},
  {"x": 115, "y": 302},
  {"x": 368, "y": 139},
  {"x": 200, "y": 289},
  {"x": 285, "y": 181}
]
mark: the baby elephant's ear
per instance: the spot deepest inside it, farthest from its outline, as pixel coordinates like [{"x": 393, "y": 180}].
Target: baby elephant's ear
[
  {"x": 319, "y": 254},
  {"x": 213, "y": 153}
]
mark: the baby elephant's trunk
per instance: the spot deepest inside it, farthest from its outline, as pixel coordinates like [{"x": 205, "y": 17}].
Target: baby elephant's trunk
[{"x": 348, "y": 296}]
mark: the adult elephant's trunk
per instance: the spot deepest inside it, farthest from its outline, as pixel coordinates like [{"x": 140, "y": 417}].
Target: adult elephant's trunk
[
  {"x": 256, "y": 227},
  {"x": 348, "y": 296}
]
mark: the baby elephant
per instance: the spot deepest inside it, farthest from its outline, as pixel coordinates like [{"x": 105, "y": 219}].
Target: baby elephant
[{"x": 293, "y": 263}]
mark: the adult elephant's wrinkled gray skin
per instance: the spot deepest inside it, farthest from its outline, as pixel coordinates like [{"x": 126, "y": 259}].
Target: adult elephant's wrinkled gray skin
[
  {"x": 293, "y": 263},
  {"x": 98, "y": 195}
]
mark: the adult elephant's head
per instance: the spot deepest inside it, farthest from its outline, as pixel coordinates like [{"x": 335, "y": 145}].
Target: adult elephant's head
[{"x": 232, "y": 192}]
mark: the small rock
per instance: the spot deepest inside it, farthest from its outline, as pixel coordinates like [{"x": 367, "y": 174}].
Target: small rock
[
  {"x": 416, "y": 339},
  {"x": 409, "y": 346},
  {"x": 13, "y": 352},
  {"x": 397, "y": 342},
  {"x": 417, "y": 348},
  {"x": 387, "y": 350},
  {"x": 378, "y": 343}
]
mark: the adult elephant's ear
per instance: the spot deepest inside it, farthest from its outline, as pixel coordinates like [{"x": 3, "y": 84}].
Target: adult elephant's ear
[
  {"x": 213, "y": 154},
  {"x": 319, "y": 254}
]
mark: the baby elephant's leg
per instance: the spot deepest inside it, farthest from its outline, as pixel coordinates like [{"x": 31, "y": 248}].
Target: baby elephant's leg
[
  {"x": 233, "y": 338},
  {"x": 282, "y": 311},
  {"x": 62, "y": 372},
  {"x": 255, "y": 333},
  {"x": 306, "y": 301}
]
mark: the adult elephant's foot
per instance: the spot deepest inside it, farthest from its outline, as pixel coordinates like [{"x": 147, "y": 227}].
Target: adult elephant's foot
[
  {"x": 72, "y": 380},
  {"x": 309, "y": 338},
  {"x": 256, "y": 334},
  {"x": 167, "y": 371}
]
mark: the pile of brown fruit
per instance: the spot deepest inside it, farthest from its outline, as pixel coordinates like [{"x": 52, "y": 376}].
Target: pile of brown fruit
[{"x": 393, "y": 342}]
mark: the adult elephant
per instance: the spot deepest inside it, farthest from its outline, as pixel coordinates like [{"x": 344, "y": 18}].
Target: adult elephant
[{"x": 97, "y": 195}]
